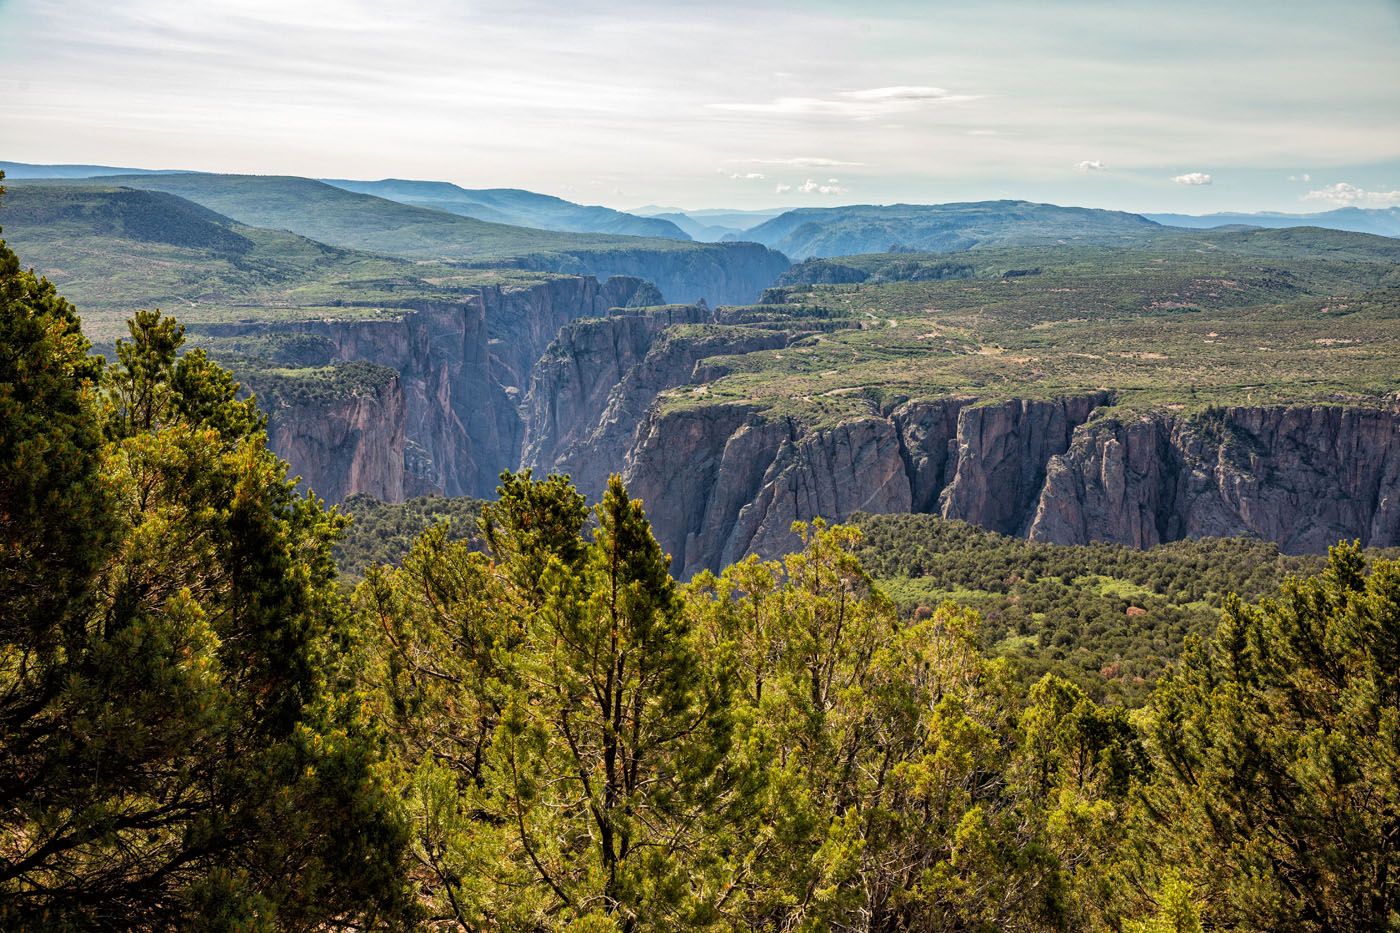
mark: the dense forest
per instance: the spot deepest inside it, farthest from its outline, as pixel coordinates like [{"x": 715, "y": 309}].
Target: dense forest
[{"x": 201, "y": 727}]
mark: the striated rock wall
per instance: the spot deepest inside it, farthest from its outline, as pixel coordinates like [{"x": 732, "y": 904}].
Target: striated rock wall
[
  {"x": 1304, "y": 477},
  {"x": 341, "y": 446},
  {"x": 722, "y": 482},
  {"x": 1000, "y": 456},
  {"x": 594, "y": 387},
  {"x": 571, "y": 383},
  {"x": 461, "y": 367}
]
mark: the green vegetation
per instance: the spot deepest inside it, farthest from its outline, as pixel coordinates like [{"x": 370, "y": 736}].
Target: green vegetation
[
  {"x": 515, "y": 207},
  {"x": 383, "y": 533},
  {"x": 277, "y": 388},
  {"x": 180, "y": 745},
  {"x": 116, "y": 250},
  {"x": 361, "y": 221},
  {"x": 1107, "y": 617},
  {"x": 1206, "y": 318}
]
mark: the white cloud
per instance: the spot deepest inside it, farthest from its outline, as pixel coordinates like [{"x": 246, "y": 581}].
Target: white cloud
[
  {"x": 748, "y": 176},
  {"x": 799, "y": 162},
  {"x": 1347, "y": 195},
  {"x": 833, "y": 186},
  {"x": 905, "y": 92},
  {"x": 1193, "y": 178},
  {"x": 782, "y": 188},
  {"x": 1303, "y": 177},
  {"x": 1090, "y": 165},
  {"x": 860, "y": 105}
]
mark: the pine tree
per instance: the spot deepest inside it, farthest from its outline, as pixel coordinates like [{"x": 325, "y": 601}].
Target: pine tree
[
  {"x": 1277, "y": 743},
  {"x": 172, "y": 752}
]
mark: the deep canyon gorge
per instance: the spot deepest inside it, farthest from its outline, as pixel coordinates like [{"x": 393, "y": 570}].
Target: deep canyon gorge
[{"x": 565, "y": 377}]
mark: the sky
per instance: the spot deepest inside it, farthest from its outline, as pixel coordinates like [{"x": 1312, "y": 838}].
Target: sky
[{"x": 1132, "y": 104}]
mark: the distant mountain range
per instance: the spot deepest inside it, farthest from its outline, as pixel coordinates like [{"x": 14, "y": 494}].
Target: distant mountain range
[
  {"x": 511, "y": 206},
  {"x": 867, "y": 228},
  {"x": 1384, "y": 220},
  {"x": 517, "y": 207},
  {"x": 710, "y": 225},
  {"x": 21, "y": 170},
  {"x": 724, "y": 273}
]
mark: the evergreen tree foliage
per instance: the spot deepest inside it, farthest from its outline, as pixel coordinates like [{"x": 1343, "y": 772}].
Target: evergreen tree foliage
[
  {"x": 173, "y": 751},
  {"x": 1278, "y": 744}
]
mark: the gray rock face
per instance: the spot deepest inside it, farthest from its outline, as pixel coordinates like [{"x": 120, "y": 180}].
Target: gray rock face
[
  {"x": 461, "y": 367},
  {"x": 853, "y": 467},
  {"x": 571, "y": 383},
  {"x": 722, "y": 482},
  {"x": 1001, "y": 454},
  {"x": 1304, "y": 477},
  {"x": 345, "y": 445},
  {"x": 594, "y": 386}
]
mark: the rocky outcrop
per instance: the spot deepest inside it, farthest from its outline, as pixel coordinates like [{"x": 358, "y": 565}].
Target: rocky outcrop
[
  {"x": 853, "y": 467},
  {"x": 1303, "y": 477},
  {"x": 571, "y": 383},
  {"x": 724, "y": 481},
  {"x": 347, "y": 444},
  {"x": 593, "y": 389},
  {"x": 1001, "y": 454}
]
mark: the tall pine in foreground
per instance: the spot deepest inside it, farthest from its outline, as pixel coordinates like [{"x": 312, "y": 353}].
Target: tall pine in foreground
[
  {"x": 170, "y": 750},
  {"x": 562, "y": 743}
]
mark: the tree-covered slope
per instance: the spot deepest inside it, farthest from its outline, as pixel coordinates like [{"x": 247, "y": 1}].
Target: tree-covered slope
[{"x": 545, "y": 730}]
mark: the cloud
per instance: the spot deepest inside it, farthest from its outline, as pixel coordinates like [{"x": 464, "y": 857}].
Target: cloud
[
  {"x": 1090, "y": 165},
  {"x": 748, "y": 176},
  {"x": 1303, "y": 177},
  {"x": 860, "y": 105},
  {"x": 904, "y": 92},
  {"x": 1193, "y": 178},
  {"x": 799, "y": 162},
  {"x": 1347, "y": 195},
  {"x": 782, "y": 188},
  {"x": 833, "y": 186}
]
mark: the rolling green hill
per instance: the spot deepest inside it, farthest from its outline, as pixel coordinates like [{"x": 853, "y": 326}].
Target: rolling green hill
[
  {"x": 516, "y": 207},
  {"x": 842, "y": 231},
  {"x": 718, "y": 272},
  {"x": 115, "y": 249}
]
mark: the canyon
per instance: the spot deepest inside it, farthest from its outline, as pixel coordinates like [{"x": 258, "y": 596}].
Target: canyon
[{"x": 565, "y": 377}]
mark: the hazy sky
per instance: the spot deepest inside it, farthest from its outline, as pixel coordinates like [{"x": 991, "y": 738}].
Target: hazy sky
[{"x": 1190, "y": 106}]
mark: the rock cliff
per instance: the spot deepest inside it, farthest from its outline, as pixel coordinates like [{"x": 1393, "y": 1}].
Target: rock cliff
[
  {"x": 344, "y": 443},
  {"x": 724, "y": 481},
  {"x": 510, "y": 378},
  {"x": 1304, "y": 477},
  {"x": 462, "y": 367},
  {"x": 594, "y": 386}
]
